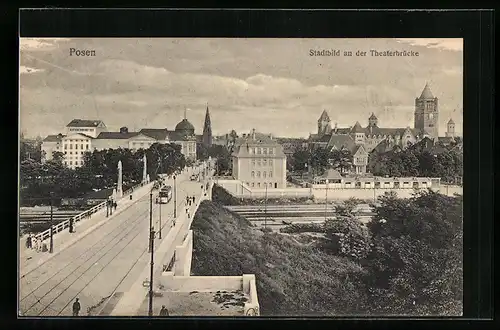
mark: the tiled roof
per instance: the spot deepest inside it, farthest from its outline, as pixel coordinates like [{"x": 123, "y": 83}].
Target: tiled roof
[
  {"x": 84, "y": 123},
  {"x": 116, "y": 135},
  {"x": 53, "y": 138},
  {"x": 341, "y": 141},
  {"x": 446, "y": 139},
  {"x": 159, "y": 134},
  {"x": 242, "y": 145},
  {"x": 344, "y": 130},
  {"x": 375, "y": 130},
  {"x": 71, "y": 134},
  {"x": 451, "y": 121},
  {"x": 331, "y": 174},
  {"x": 372, "y": 116},
  {"x": 357, "y": 128}
]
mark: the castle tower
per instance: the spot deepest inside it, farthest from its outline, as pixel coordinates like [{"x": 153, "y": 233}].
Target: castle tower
[
  {"x": 450, "y": 128},
  {"x": 324, "y": 125},
  {"x": 427, "y": 113},
  {"x": 373, "y": 120},
  {"x": 207, "y": 130}
]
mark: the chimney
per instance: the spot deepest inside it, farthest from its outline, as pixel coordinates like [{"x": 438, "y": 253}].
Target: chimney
[
  {"x": 253, "y": 134},
  {"x": 124, "y": 130}
]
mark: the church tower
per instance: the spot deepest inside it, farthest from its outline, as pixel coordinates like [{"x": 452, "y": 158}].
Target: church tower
[
  {"x": 450, "y": 128},
  {"x": 372, "y": 121},
  {"x": 427, "y": 113},
  {"x": 324, "y": 124},
  {"x": 207, "y": 130}
]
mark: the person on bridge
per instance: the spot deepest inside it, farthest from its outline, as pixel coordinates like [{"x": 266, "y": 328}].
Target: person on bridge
[
  {"x": 71, "y": 225},
  {"x": 115, "y": 205},
  {"x": 38, "y": 244},
  {"x": 29, "y": 241},
  {"x": 163, "y": 311},
  {"x": 76, "y": 307}
]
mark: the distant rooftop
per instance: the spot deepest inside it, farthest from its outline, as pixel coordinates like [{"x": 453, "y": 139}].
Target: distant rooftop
[{"x": 85, "y": 123}]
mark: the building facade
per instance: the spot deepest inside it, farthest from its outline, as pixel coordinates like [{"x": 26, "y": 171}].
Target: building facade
[
  {"x": 373, "y": 137},
  {"x": 258, "y": 161},
  {"x": 75, "y": 143}
]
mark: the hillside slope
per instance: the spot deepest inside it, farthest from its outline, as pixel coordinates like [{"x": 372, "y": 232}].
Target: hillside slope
[{"x": 292, "y": 279}]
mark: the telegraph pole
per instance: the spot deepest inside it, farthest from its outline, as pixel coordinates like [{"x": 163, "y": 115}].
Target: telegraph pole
[
  {"x": 175, "y": 200},
  {"x": 265, "y": 210},
  {"x": 159, "y": 233},
  {"x": 51, "y": 249},
  {"x": 326, "y": 198},
  {"x": 150, "y": 220},
  {"x": 152, "y": 242}
]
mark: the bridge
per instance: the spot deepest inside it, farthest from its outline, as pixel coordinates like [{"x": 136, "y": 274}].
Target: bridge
[{"x": 105, "y": 257}]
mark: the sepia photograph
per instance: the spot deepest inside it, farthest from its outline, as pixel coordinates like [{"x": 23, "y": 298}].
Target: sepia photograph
[{"x": 181, "y": 177}]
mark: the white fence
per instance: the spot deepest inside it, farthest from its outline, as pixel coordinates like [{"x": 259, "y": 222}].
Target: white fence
[{"x": 65, "y": 224}]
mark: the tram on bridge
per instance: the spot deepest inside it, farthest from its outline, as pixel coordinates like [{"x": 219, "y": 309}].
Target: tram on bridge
[{"x": 165, "y": 195}]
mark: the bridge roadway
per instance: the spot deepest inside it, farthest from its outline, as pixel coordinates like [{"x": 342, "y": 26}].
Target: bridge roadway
[{"x": 102, "y": 262}]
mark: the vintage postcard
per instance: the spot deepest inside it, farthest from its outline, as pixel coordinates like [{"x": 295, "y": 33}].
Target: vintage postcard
[{"x": 240, "y": 177}]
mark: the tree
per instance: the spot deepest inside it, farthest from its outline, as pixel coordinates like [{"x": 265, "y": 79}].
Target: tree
[
  {"x": 415, "y": 262},
  {"x": 300, "y": 159},
  {"x": 319, "y": 160},
  {"x": 58, "y": 157}
]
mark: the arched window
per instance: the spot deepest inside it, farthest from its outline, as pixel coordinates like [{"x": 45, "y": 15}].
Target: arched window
[
  {"x": 258, "y": 174},
  {"x": 253, "y": 174}
]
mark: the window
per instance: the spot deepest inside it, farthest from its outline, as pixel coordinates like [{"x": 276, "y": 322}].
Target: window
[
  {"x": 253, "y": 174},
  {"x": 76, "y": 146},
  {"x": 264, "y": 151},
  {"x": 259, "y": 163},
  {"x": 81, "y": 152},
  {"x": 264, "y": 162},
  {"x": 258, "y": 184},
  {"x": 270, "y": 162},
  {"x": 258, "y": 174},
  {"x": 264, "y": 174},
  {"x": 87, "y": 147},
  {"x": 270, "y": 174},
  {"x": 65, "y": 146},
  {"x": 81, "y": 146},
  {"x": 275, "y": 185},
  {"x": 71, "y": 162},
  {"x": 65, "y": 163},
  {"x": 65, "y": 152},
  {"x": 255, "y": 150},
  {"x": 253, "y": 162},
  {"x": 259, "y": 151},
  {"x": 253, "y": 184},
  {"x": 270, "y": 184},
  {"x": 71, "y": 146},
  {"x": 71, "y": 152}
]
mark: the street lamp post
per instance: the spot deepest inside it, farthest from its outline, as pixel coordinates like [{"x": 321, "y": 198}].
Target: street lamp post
[
  {"x": 159, "y": 229},
  {"x": 51, "y": 248},
  {"x": 175, "y": 200},
  {"x": 151, "y": 270},
  {"x": 150, "y": 220},
  {"x": 326, "y": 198},
  {"x": 265, "y": 209}
]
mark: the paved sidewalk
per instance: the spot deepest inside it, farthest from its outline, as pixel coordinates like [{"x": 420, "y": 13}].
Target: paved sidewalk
[
  {"x": 30, "y": 258},
  {"x": 131, "y": 300}
]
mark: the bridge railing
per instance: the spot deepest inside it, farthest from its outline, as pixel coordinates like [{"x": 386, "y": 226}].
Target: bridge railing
[{"x": 85, "y": 214}]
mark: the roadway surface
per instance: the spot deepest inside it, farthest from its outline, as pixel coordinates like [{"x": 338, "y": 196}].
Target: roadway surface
[{"x": 101, "y": 263}]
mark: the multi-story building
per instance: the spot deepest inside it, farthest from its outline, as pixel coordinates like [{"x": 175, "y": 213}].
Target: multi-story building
[
  {"x": 74, "y": 147},
  {"x": 51, "y": 144},
  {"x": 258, "y": 161},
  {"x": 96, "y": 137},
  {"x": 426, "y": 118},
  {"x": 88, "y": 127}
]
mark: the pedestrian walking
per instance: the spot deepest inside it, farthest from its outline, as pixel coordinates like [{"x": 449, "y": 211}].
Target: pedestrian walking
[
  {"x": 76, "y": 307},
  {"x": 163, "y": 311},
  {"x": 28, "y": 241},
  {"x": 115, "y": 205},
  {"x": 38, "y": 244},
  {"x": 193, "y": 199},
  {"x": 71, "y": 225}
]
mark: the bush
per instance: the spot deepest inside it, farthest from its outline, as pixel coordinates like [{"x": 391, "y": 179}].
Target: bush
[
  {"x": 302, "y": 228},
  {"x": 291, "y": 279}
]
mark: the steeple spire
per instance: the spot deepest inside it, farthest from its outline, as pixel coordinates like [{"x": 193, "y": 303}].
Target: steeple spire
[
  {"x": 207, "y": 129},
  {"x": 426, "y": 92}
]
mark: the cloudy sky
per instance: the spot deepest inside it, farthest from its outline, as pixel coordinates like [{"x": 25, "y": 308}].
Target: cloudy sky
[{"x": 272, "y": 85}]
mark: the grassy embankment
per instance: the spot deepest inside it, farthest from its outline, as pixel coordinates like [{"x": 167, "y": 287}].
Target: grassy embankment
[{"x": 292, "y": 279}]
